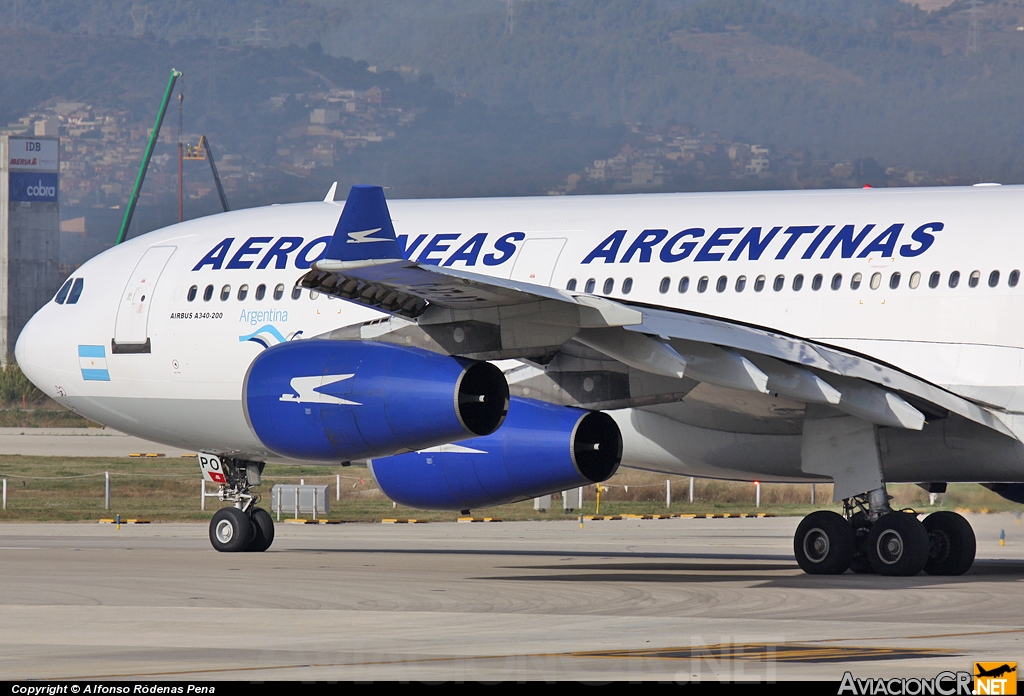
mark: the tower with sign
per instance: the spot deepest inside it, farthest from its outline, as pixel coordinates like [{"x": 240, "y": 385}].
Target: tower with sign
[{"x": 29, "y": 231}]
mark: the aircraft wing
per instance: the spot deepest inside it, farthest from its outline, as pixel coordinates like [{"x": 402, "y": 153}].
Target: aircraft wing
[{"x": 658, "y": 353}]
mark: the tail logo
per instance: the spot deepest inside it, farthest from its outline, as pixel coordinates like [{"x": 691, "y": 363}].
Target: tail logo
[{"x": 363, "y": 236}]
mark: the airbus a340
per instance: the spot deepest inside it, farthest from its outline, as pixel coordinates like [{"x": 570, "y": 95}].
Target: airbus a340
[{"x": 858, "y": 337}]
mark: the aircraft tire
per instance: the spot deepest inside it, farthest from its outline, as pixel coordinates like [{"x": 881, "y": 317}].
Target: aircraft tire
[
  {"x": 230, "y": 530},
  {"x": 824, "y": 543},
  {"x": 897, "y": 545},
  {"x": 952, "y": 544},
  {"x": 263, "y": 528}
]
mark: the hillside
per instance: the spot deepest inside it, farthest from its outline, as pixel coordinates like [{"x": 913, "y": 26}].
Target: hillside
[{"x": 879, "y": 78}]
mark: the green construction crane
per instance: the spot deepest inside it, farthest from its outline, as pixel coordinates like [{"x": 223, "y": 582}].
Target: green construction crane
[{"x": 175, "y": 74}]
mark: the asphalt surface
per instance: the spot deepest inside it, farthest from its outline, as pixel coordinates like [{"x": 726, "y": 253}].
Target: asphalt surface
[
  {"x": 678, "y": 599},
  {"x": 79, "y": 442}
]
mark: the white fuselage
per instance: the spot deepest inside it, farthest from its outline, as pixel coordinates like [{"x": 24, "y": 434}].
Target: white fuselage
[{"x": 186, "y": 391}]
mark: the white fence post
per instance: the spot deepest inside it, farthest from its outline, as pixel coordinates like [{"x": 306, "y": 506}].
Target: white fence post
[
  {"x": 297, "y": 502},
  {"x": 812, "y": 494},
  {"x": 668, "y": 493},
  {"x": 5, "y": 494},
  {"x": 757, "y": 487},
  {"x": 202, "y": 495},
  {"x": 337, "y": 487},
  {"x": 106, "y": 490},
  {"x": 691, "y": 489}
]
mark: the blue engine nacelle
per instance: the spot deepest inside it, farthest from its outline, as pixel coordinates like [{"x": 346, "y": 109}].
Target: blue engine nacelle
[
  {"x": 322, "y": 400},
  {"x": 540, "y": 449}
]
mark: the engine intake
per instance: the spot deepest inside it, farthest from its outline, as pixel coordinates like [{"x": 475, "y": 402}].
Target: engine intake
[
  {"x": 320, "y": 400},
  {"x": 541, "y": 448}
]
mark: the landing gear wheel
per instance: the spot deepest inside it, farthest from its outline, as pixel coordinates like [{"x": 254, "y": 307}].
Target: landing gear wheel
[
  {"x": 897, "y": 545},
  {"x": 824, "y": 543},
  {"x": 952, "y": 544},
  {"x": 230, "y": 530},
  {"x": 263, "y": 526},
  {"x": 861, "y": 528}
]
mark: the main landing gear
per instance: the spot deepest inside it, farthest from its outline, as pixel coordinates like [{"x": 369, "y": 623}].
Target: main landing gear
[
  {"x": 870, "y": 537},
  {"x": 243, "y": 527}
]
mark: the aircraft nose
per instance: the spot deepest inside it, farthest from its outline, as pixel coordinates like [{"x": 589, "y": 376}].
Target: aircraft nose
[{"x": 32, "y": 352}]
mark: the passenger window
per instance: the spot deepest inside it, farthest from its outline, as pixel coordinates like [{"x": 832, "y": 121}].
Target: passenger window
[
  {"x": 684, "y": 284},
  {"x": 915, "y": 280},
  {"x": 876, "y": 280},
  {"x": 933, "y": 279},
  {"x": 571, "y": 285},
  {"x": 76, "y": 291},
  {"x": 279, "y": 291},
  {"x": 894, "y": 280},
  {"x": 798, "y": 281},
  {"x": 62, "y": 294},
  {"x": 1013, "y": 278},
  {"x": 954, "y": 279},
  {"x": 855, "y": 281},
  {"x": 837, "y": 281},
  {"x": 225, "y": 293},
  {"x": 609, "y": 285},
  {"x": 816, "y": 282},
  {"x": 663, "y": 288},
  {"x": 759, "y": 283},
  {"x": 702, "y": 284},
  {"x": 243, "y": 292},
  {"x": 627, "y": 285},
  {"x": 297, "y": 292},
  {"x": 741, "y": 283},
  {"x": 208, "y": 293},
  {"x": 192, "y": 293},
  {"x": 993, "y": 279},
  {"x": 722, "y": 283},
  {"x": 591, "y": 284},
  {"x": 974, "y": 278},
  {"x": 780, "y": 280},
  {"x": 261, "y": 291}
]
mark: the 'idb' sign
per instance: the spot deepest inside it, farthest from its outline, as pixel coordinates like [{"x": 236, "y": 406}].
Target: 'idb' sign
[{"x": 33, "y": 186}]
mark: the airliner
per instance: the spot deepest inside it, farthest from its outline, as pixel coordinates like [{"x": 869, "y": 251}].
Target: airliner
[{"x": 476, "y": 352}]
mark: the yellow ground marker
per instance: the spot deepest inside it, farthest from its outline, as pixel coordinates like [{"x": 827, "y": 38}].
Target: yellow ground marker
[
  {"x": 130, "y": 520},
  {"x": 292, "y": 520},
  {"x": 479, "y": 519},
  {"x": 392, "y": 520},
  {"x": 147, "y": 454}
]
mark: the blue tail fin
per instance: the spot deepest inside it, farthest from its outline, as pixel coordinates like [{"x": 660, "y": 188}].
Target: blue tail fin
[{"x": 364, "y": 232}]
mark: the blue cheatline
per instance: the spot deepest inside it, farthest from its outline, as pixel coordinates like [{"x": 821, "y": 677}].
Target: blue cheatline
[{"x": 92, "y": 352}]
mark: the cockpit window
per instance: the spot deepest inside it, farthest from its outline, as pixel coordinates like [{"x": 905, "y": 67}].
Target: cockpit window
[
  {"x": 62, "y": 294},
  {"x": 76, "y": 291}
]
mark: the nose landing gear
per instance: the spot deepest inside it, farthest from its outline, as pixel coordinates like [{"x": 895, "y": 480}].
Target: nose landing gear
[
  {"x": 871, "y": 537},
  {"x": 243, "y": 527}
]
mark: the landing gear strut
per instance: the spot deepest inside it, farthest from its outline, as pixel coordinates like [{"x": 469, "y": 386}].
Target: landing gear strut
[
  {"x": 243, "y": 527},
  {"x": 873, "y": 538}
]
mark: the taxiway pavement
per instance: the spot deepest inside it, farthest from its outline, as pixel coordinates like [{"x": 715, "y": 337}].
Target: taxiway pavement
[{"x": 677, "y": 599}]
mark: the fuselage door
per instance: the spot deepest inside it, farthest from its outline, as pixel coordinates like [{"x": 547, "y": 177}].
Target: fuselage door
[
  {"x": 131, "y": 334},
  {"x": 537, "y": 259}
]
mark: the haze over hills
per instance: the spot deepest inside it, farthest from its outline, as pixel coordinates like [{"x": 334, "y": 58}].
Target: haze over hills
[
  {"x": 877, "y": 78},
  {"x": 677, "y": 94}
]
